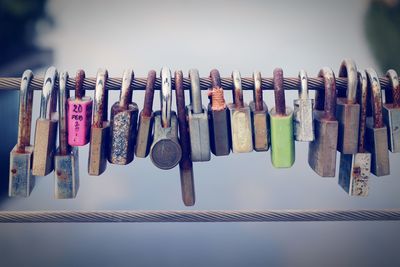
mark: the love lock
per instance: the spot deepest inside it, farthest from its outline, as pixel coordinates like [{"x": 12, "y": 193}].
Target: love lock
[{"x": 391, "y": 111}]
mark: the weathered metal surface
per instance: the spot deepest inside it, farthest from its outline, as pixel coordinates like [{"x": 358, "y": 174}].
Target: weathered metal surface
[
  {"x": 391, "y": 111},
  {"x": 66, "y": 169}
]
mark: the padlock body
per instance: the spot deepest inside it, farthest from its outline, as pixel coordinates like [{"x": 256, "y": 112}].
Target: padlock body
[
  {"x": 354, "y": 170},
  {"x": 348, "y": 116},
  {"x": 199, "y": 135},
  {"x": 219, "y": 131},
  {"x": 259, "y": 123},
  {"x": 66, "y": 170},
  {"x": 322, "y": 151},
  {"x": 241, "y": 132},
  {"x": 44, "y": 148},
  {"x": 303, "y": 120},
  {"x": 377, "y": 144},
  {"x": 122, "y": 134},
  {"x": 165, "y": 151},
  {"x": 79, "y": 120},
  {"x": 391, "y": 117},
  {"x": 144, "y": 135},
  {"x": 98, "y": 149},
  {"x": 21, "y": 180},
  {"x": 282, "y": 141}
]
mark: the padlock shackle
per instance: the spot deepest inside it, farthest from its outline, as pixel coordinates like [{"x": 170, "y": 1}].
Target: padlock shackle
[
  {"x": 48, "y": 101},
  {"x": 216, "y": 93},
  {"x": 149, "y": 93},
  {"x": 393, "y": 95},
  {"x": 125, "y": 97},
  {"x": 63, "y": 95},
  {"x": 100, "y": 99},
  {"x": 362, "y": 94},
  {"x": 237, "y": 89},
  {"x": 25, "y": 111},
  {"x": 166, "y": 97},
  {"x": 279, "y": 92},
  {"x": 215, "y": 79},
  {"x": 195, "y": 91},
  {"x": 257, "y": 91},
  {"x": 79, "y": 79},
  {"x": 348, "y": 69},
  {"x": 328, "y": 95},
  {"x": 376, "y": 97},
  {"x": 303, "y": 90}
]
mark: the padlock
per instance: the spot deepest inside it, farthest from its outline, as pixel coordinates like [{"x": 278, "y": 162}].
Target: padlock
[
  {"x": 259, "y": 116},
  {"x": 66, "y": 160},
  {"x": 391, "y": 111},
  {"x": 165, "y": 151},
  {"x": 46, "y": 127},
  {"x": 354, "y": 169},
  {"x": 79, "y": 114},
  {"x": 377, "y": 138},
  {"x": 348, "y": 110},
  {"x": 240, "y": 119},
  {"x": 124, "y": 114},
  {"x": 21, "y": 180},
  {"x": 100, "y": 130},
  {"x": 144, "y": 132},
  {"x": 218, "y": 117},
  {"x": 198, "y": 121},
  {"x": 185, "y": 164},
  {"x": 281, "y": 119},
  {"x": 322, "y": 151},
  {"x": 303, "y": 112}
]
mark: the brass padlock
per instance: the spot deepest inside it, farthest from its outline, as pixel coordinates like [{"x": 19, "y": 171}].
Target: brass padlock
[
  {"x": 46, "y": 127},
  {"x": 146, "y": 117},
  {"x": 348, "y": 110},
  {"x": 322, "y": 151},
  {"x": 259, "y": 116},
  {"x": 21, "y": 180},
  {"x": 354, "y": 169},
  {"x": 100, "y": 130},
  {"x": 66, "y": 160},
  {"x": 391, "y": 111},
  {"x": 240, "y": 119},
  {"x": 377, "y": 139},
  {"x": 281, "y": 120},
  {"x": 124, "y": 114}
]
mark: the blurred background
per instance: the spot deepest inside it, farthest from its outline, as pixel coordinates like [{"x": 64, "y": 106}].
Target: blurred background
[{"x": 227, "y": 35}]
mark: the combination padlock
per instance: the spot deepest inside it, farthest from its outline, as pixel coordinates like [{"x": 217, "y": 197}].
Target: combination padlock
[
  {"x": 46, "y": 127},
  {"x": 303, "y": 112},
  {"x": 259, "y": 116},
  {"x": 218, "y": 117},
  {"x": 79, "y": 114},
  {"x": 348, "y": 110},
  {"x": 198, "y": 121},
  {"x": 377, "y": 138},
  {"x": 165, "y": 151},
  {"x": 100, "y": 130},
  {"x": 281, "y": 119},
  {"x": 322, "y": 151},
  {"x": 146, "y": 117},
  {"x": 66, "y": 160},
  {"x": 391, "y": 111},
  {"x": 240, "y": 119},
  {"x": 124, "y": 114},
  {"x": 21, "y": 180}
]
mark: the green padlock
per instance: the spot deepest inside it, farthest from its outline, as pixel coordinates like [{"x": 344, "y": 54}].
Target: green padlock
[{"x": 281, "y": 119}]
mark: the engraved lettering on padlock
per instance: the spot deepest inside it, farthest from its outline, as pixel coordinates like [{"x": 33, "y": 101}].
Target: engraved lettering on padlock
[
  {"x": 391, "y": 111},
  {"x": 46, "y": 127},
  {"x": 21, "y": 180}
]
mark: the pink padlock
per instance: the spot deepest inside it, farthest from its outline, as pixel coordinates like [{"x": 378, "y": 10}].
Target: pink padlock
[{"x": 79, "y": 114}]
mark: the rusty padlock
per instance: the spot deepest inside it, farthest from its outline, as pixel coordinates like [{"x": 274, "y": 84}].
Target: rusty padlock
[
  {"x": 391, "y": 111},
  {"x": 46, "y": 127},
  {"x": 303, "y": 112},
  {"x": 66, "y": 160},
  {"x": 377, "y": 139},
  {"x": 218, "y": 117},
  {"x": 79, "y": 114},
  {"x": 124, "y": 114},
  {"x": 146, "y": 117},
  {"x": 354, "y": 169},
  {"x": 348, "y": 110},
  {"x": 259, "y": 116},
  {"x": 21, "y": 180},
  {"x": 240, "y": 119},
  {"x": 100, "y": 130},
  {"x": 322, "y": 151}
]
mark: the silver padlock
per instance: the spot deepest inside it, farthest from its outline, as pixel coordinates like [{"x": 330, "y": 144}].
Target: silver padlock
[
  {"x": 303, "y": 112},
  {"x": 198, "y": 121},
  {"x": 391, "y": 111}
]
